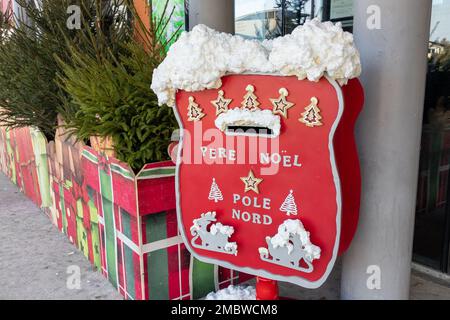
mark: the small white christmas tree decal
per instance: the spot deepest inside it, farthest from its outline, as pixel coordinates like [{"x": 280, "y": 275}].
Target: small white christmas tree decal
[
  {"x": 250, "y": 99},
  {"x": 311, "y": 117},
  {"x": 215, "y": 193},
  {"x": 289, "y": 205},
  {"x": 195, "y": 113}
]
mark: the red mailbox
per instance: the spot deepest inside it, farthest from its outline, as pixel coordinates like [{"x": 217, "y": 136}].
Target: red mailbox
[
  {"x": 268, "y": 178},
  {"x": 272, "y": 188}
]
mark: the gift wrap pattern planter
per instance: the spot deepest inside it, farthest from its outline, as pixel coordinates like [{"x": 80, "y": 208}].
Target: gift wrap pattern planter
[
  {"x": 23, "y": 158},
  {"x": 125, "y": 224}
]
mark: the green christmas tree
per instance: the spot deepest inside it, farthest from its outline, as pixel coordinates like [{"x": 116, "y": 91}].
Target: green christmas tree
[
  {"x": 111, "y": 97},
  {"x": 29, "y": 94},
  {"x": 5, "y": 20}
]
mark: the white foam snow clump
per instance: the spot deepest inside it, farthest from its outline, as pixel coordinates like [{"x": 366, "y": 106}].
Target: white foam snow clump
[
  {"x": 314, "y": 50},
  {"x": 200, "y": 58},
  {"x": 295, "y": 227},
  {"x": 226, "y": 231},
  {"x": 220, "y": 228},
  {"x": 233, "y": 293},
  {"x": 244, "y": 117}
]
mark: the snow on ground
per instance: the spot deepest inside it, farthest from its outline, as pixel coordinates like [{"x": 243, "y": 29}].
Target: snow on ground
[
  {"x": 200, "y": 58},
  {"x": 233, "y": 293}
]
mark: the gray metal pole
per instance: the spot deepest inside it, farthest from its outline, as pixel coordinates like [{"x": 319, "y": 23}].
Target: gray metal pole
[
  {"x": 389, "y": 134},
  {"x": 216, "y": 14}
]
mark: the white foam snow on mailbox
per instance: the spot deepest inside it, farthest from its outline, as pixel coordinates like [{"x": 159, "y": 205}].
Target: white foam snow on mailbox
[
  {"x": 216, "y": 238},
  {"x": 200, "y": 58},
  {"x": 247, "y": 118},
  {"x": 295, "y": 227},
  {"x": 290, "y": 246}
]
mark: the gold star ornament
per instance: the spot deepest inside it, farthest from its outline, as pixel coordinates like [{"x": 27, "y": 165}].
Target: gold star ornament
[
  {"x": 221, "y": 104},
  {"x": 281, "y": 105},
  {"x": 251, "y": 182}
]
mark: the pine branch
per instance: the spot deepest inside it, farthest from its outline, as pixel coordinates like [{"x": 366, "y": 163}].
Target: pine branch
[{"x": 111, "y": 93}]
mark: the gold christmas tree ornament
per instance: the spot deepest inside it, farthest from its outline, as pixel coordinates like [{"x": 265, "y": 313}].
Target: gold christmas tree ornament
[
  {"x": 311, "y": 117},
  {"x": 250, "y": 99},
  {"x": 281, "y": 105},
  {"x": 221, "y": 103},
  {"x": 195, "y": 113},
  {"x": 251, "y": 182}
]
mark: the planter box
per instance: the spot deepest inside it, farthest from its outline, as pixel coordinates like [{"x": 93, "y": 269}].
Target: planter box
[
  {"x": 125, "y": 224},
  {"x": 142, "y": 252},
  {"x": 23, "y": 159}
]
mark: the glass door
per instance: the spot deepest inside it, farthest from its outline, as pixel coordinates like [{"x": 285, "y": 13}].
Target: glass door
[{"x": 432, "y": 227}]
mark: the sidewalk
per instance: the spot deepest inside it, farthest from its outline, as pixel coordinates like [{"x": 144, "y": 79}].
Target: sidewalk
[
  {"x": 423, "y": 287},
  {"x": 34, "y": 257}
]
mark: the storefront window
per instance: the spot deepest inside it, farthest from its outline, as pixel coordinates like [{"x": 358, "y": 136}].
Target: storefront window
[
  {"x": 268, "y": 19},
  {"x": 297, "y": 12},
  {"x": 432, "y": 228},
  {"x": 257, "y": 19},
  {"x": 340, "y": 11}
]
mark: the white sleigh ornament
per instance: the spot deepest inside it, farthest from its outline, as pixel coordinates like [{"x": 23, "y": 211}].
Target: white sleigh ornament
[
  {"x": 291, "y": 247},
  {"x": 214, "y": 237}
]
